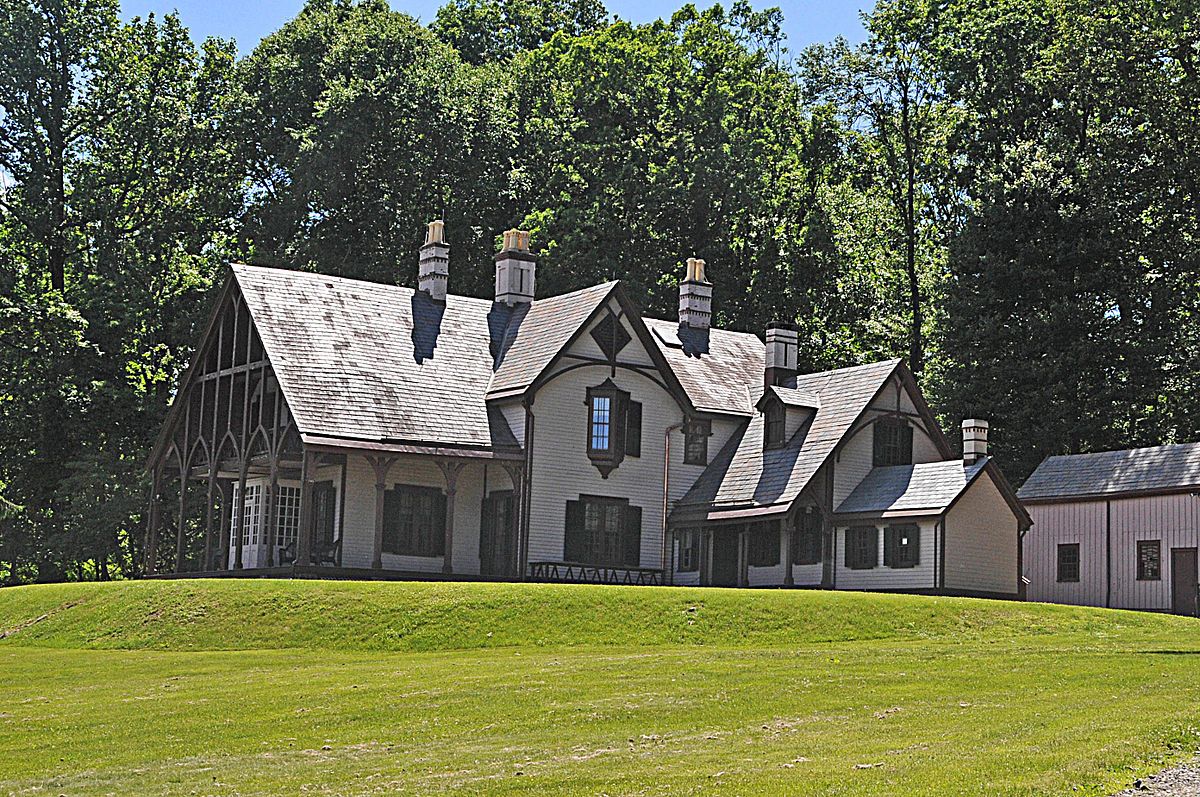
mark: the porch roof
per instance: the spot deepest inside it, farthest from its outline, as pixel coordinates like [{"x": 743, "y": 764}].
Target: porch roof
[{"x": 924, "y": 488}]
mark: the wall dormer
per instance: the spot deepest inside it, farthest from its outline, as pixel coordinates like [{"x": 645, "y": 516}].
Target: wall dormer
[{"x": 785, "y": 410}]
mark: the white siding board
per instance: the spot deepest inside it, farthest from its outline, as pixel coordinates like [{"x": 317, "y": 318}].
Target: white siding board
[
  {"x": 982, "y": 541},
  {"x": 1081, "y": 522},
  {"x": 880, "y": 577}
]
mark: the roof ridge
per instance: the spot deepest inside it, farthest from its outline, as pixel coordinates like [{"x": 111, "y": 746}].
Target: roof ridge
[{"x": 1135, "y": 450}]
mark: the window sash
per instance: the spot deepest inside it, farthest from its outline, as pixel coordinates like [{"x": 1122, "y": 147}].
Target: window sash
[
  {"x": 603, "y": 531},
  {"x": 1149, "y": 560},
  {"x": 862, "y": 547},
  {"x": 893, "y": 442},
  {"x": 806, "y": 539},
  {"x": 1068, "y": 562},
  {"x": 774, "y": 420},
  {"x": 695, "y": 442},
  {"x": 601, "y": 423},
  {"x": 902, "y": 546},
  {"x": 414, "y": 521},
  {"x": 689, "y": 552}
]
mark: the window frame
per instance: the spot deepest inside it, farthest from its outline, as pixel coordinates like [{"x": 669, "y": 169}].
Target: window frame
[
  {"x": 427, "y": 542},
  {"x": 896, "y": 555},
  {"x": 618, "y": 426},
  {"x": 696, "y": 432},
  {"x": 688, "y": 559},
  {"x": 596, "y": 549},
  {"x": 858, "y": 555},
  {"x": 891, "y": 442},
  {"x": 774, "y": 424},
  {"x": 1142, "y": 573},
  {"x": 1058, "y": 561}
]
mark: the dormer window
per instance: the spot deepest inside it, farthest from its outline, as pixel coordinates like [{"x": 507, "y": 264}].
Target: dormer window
[
  {"x": 773, "y": 419},
  {"x": 614, "y": 426},
  {"x": 893, "y": 442}
]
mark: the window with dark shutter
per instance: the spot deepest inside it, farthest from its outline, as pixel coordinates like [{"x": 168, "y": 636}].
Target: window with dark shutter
[
  {"x": 689, "y": 551},
  {"x": 603, "y": 531},
  {"x": 763, "y": 544},
  {"x": 806, "y": 539},
  {"x": 893, "y": 442},
  {"x": 1149, "y": 560},
  {"x": 414, "y": 521},
  {"x": 862, "y": 547},
  {"x": 1068, "y": 561},
  {"x": 696, "y": 432},
  {"x": 633, "y": 428},
  {"x": 902, "y": 546},
  {"x": 774, "y": 420}
]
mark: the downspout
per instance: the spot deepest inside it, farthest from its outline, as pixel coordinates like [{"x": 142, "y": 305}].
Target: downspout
[
  {"x": 527, "y": 491},
  {"x": 1108, "y": 554},
  {"x": 669, "y": 568}
]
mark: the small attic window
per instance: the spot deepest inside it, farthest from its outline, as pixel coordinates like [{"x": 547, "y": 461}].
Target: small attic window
[
  {"x": 610, "y": 336},
  {"x": 893, "y": 442},
  {"x": 774, "y": 424}
]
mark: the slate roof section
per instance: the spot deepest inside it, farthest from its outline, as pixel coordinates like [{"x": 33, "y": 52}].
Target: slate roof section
[
  {"x": 537, "y": 332},
  {"x": 746, "y": 479},
  {"x": 794, "y": 398},
  {"x": 721, "y": 371},
  {"x": 1134, "y": 470},
  {"x": 367, "y": 361},
  {"x": 925, "y": 488}
]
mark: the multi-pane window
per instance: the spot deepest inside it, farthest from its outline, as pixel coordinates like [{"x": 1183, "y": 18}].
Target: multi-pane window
[
  {"x": 902, "y": 546},
  {"x": 689, "y": 551},
  {"x": 601, "y": 435},
  {"x": 774, "y": 420},
  {"x": 862, "y": 547},
  {"x": 893, "y": 442},
  {"x": 1149, "y": 560},
  {"x": 414, "y": 521},
  {"x": 287, "y": 515},
  {"x": 806, "y": 539},
  {"x": 603, "y": 531},
  {"x": 695, "y": 441},
  {"x": 250, "y": 516},
  {"x": 762, "y": 544},
  {"x": 1068, "y": 561}
]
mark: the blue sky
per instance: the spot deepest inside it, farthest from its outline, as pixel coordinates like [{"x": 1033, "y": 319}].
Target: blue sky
[{"x": 247, "y": 21}]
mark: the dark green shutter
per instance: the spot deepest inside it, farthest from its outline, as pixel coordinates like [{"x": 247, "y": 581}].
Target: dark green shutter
[
  {"x": 391, "y": 521},
  {"x": 633, "y": 429},
  {"x": 848, "y": 543},
  {"x": 890, "y": 544},
  {"x": 632, "y": 538},
  {"x": 439, "y": 524},
  {"x": 873, "y": 548},
  {"x": 574, "y": 535},
  {"x": 906, "y": 445}
]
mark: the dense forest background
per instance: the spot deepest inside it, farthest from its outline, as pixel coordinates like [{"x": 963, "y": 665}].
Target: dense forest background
[{"x": 1004, "y": 192}]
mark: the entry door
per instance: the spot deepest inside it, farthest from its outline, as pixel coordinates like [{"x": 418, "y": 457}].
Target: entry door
[
  {"x": 324, "y": 514},
  {"x": 1183, "y": 581},
  {"x": 724, "y": 559},
  {"x": 498, "y": 535}
]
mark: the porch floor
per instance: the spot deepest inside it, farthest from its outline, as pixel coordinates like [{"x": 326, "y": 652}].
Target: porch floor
[{"x": 329, "y": 572}]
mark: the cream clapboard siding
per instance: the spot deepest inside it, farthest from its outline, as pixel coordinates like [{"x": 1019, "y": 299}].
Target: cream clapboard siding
[
  {"x": 982, "y": 541},
  {"x": 561, "y": 470},
  {"x": 855, "y": 458},
  {"x": 881, "y": 577},
  {"x": 358, "y": 544},
  {"x": 1081, "y": 522},
  {"x": 1174, "y": 520},
  {"x": 514, "y": 413}
]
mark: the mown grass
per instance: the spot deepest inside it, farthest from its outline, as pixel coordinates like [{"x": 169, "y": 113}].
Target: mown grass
[{"x": 257, "y": 687}]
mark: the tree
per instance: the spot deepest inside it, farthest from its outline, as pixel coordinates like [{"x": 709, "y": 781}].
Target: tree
[{"x": 484, "y": 31}]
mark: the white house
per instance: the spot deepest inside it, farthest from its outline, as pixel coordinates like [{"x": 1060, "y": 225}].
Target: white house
[
  {"x": 1116, "y": 528},
  {"x": 344, "y": 428}
]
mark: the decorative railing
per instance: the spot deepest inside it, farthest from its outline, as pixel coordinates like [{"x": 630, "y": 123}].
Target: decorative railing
[{"x": 593, "y": 574}]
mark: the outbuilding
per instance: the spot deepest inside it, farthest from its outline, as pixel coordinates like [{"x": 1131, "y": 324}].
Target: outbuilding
[{"x": 1116, "y": 528}]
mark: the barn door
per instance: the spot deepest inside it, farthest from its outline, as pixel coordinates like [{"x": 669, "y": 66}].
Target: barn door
[{"x": 1183, "y": 582}]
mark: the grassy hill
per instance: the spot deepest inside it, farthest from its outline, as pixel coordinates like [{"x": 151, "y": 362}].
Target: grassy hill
[{"x": 273, "y": 687}]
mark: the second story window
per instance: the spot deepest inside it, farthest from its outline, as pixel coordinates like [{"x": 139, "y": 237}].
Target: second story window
[
  {"x": 695, "y": 441},
  {"x": 893, "y": 442},
  {"x": 773, "y": 418},
  {"x": 602, "y": 411},
  {"x": 614, "y": 426}
]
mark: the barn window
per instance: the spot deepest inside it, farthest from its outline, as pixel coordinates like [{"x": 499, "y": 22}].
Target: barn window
[
  {"x": 862, "y": 547},
  {"x": 1149, "y": 560},
  {"x": 893, "y": 442},
  {"x": 695, "y": 441},
  {"x": 762, "y": 545},
  {"x": 689, "y": 551},
  {"x": 1068, "y": 561},
  {"x": 603, "y": 531},
  {"x": 414, "y": 521},
  {"x": 902, "y": 546},
  {"x": 806, "y": 539}
]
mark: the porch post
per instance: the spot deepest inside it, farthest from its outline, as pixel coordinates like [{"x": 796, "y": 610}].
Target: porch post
[
  {"x": 743, "y": 559},
  {"x": 268, "y": 530},
  {"x": 152, "y": 520},
  {"x": 788, "y": 578},
  {"x": 516, "y": 474},
  {"x": 183, "y": 485},
  {"x": 381, "y": 465},
  {"x": 208, "y": 514},
  {"x": 239, "y": 516},
  {"x": 304, "y": 533},
  {"x": 222, "y": 562},
  {"x": 450, "y": 470}
]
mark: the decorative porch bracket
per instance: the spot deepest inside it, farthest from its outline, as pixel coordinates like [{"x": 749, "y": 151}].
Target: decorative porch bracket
[{"x": 450, "y": 470}]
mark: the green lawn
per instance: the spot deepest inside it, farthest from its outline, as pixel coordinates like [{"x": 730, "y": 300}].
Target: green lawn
[{"x": 261, "y": 687}]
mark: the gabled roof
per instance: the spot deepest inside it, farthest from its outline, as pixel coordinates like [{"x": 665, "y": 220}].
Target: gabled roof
[
  {"x": 791, "y": 397},
  {"x": 365, "y": 361},
  {"x": 721, "y": 371},
  {"x": 745, "y": 479},
  {"x": 927, "y": 488},
  {"x": 1108, "y": 473},
  {"x": 537, "y": 332}
]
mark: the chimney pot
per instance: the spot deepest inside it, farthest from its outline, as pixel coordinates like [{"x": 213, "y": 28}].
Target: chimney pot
[
  {"x": 433, "y": 268},
  {"x": 695, "y": 296},
  {"x": 516, "y": 269},
  {"x": 975, "y": 440}
]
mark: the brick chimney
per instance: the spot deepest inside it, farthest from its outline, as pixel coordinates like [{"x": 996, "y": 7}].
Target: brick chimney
[
  {"x": 695, "y": 297},
  {"x": 516, "y": 269},
  {"x": 975, "y": 440},
  {"x": 433, "y": 270},
  {"x": 783, "y": 351}
]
